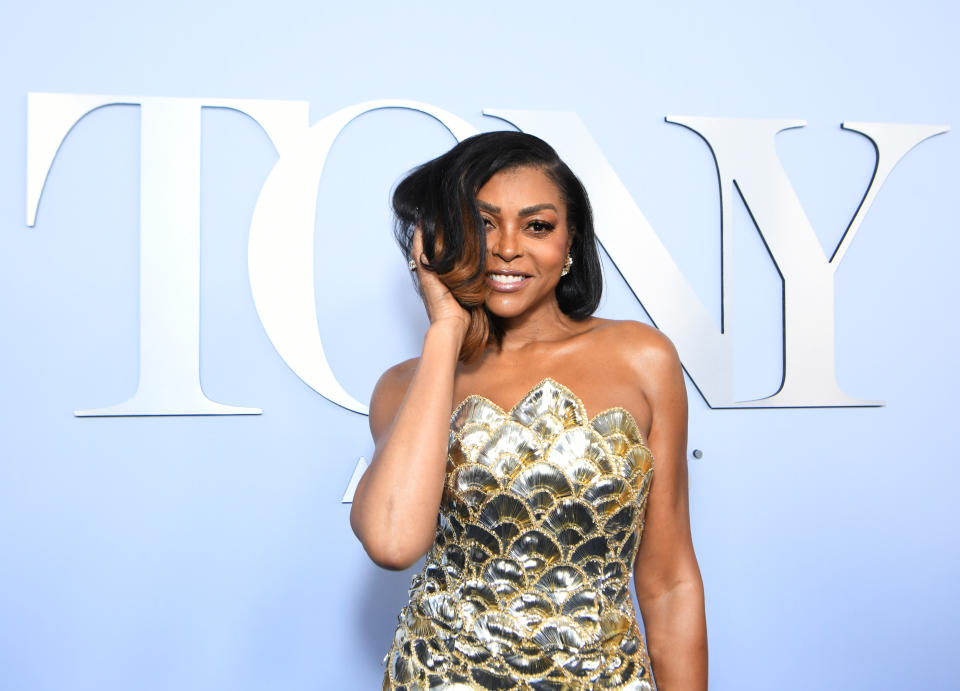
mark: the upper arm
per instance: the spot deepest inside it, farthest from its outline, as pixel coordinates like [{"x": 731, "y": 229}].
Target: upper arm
[
  {"x": 665, "y": 556},
  {"x": 387, "y": 397}
]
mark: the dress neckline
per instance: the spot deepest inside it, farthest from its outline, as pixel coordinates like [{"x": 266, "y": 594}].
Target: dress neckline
[{"x": 567, "y": 390}]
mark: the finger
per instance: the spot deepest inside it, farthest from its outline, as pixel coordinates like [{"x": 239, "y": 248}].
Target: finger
[{"x": 417, "y": 248}]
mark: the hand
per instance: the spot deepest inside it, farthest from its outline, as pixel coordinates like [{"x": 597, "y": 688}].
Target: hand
[{"x": 440, "y": 303}]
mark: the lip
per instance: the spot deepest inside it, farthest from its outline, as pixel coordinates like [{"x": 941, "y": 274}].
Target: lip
[{"x": 509, "y": 288}]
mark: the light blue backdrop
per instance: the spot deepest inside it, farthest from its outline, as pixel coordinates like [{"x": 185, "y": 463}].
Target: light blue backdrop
[{"x": 210, "y": 553}]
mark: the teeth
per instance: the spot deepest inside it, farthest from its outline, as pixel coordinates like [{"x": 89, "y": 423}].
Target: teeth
[{"x": 505, "y": 278}]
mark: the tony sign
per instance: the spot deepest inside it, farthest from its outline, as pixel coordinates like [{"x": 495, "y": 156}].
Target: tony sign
[{"x": 282, "y": 231}]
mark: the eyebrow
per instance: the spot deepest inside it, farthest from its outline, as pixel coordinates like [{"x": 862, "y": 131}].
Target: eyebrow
[{"x": 525, "y": 211}]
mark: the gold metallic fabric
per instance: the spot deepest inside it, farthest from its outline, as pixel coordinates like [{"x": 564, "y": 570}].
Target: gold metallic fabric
[{"x": 526, "y": 586}]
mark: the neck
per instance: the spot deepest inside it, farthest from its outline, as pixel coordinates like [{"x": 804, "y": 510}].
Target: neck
[{"x": 544, "y": 323}]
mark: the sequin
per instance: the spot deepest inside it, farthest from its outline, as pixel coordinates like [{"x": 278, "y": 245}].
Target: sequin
[{"x": 526, "y": 585}]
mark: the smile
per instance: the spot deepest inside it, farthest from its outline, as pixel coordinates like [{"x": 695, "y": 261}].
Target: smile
[{"x": 506, "y": 283}]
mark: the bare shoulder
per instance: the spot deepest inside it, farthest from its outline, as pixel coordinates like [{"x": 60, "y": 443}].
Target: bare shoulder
[
  {"x": 651, "y": 359},
  {"x": 388, "y": 394},
  {"x": 645, "y": 353},
  {"x": 637, "y": 345}
]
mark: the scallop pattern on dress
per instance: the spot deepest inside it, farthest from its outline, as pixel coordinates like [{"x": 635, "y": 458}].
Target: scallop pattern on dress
[{"x": 526, "y": 584}]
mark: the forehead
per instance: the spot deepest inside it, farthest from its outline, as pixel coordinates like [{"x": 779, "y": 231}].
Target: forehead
[{"x": 520, "y": 187}]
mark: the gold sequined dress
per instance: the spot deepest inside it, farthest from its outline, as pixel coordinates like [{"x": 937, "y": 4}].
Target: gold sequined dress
[{"x": 526, "y": 586}]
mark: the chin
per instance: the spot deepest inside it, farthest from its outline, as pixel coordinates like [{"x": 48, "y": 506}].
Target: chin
[{"x": 507, "y": 307}]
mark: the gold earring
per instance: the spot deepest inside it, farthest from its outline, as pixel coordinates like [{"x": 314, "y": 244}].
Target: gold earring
[{"x": 566, "y": 266}]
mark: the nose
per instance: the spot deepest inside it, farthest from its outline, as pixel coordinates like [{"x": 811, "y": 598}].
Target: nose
[{"x": 505, "y": 245}]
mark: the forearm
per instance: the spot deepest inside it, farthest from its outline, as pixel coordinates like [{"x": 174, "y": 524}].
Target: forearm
[
  {"x": 396, "y": 501},
  {"x": 676, "y": 632}
]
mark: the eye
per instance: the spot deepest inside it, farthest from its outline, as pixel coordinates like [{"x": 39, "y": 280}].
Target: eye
[
  {"x": 539, "y": 226},
  {"x": 487, "y": 223}
]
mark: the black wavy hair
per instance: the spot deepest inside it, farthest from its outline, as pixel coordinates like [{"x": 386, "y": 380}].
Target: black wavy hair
[{"x": 441, "y": 197}]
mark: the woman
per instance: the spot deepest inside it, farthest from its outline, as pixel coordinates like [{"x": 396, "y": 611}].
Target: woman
[{"x": 517, "y": 451}]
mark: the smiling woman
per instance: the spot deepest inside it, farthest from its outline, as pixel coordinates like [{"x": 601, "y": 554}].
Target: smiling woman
[
  {"x": 528, "y": 245},
  {"x": 532, "y": 514},
  {"x": 450, "y": 200}
]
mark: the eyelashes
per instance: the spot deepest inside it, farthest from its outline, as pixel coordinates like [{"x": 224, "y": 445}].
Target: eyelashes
[
  {"x": 541, "y": 226},
  {"x": 537, "y": 226}
]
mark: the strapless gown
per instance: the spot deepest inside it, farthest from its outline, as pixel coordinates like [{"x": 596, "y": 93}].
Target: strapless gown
[{"x": 526, "y": 585}]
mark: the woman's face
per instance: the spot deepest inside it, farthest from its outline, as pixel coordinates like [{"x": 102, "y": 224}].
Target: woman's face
[{"x": 527, "y": 239}]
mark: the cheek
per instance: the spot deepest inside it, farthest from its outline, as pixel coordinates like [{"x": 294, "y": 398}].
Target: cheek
[
  {"x": 550, "y": 254},
  {"x": 562, "y": 249}
]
